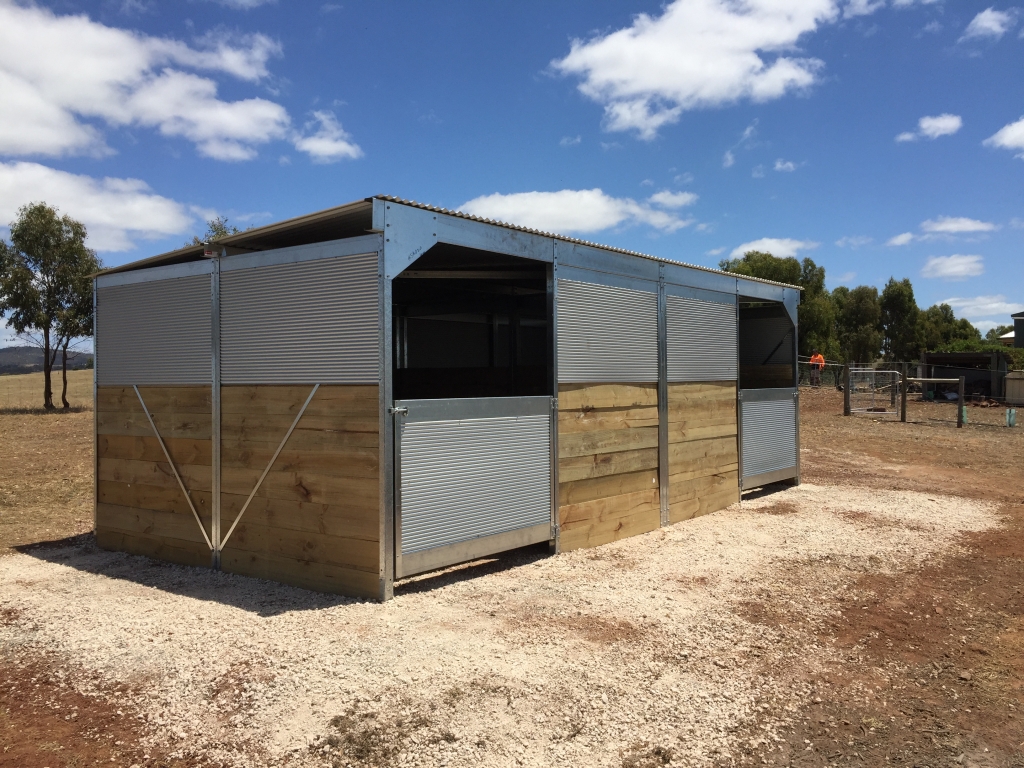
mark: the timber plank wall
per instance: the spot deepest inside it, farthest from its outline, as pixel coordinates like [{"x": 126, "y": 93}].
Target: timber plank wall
[
  {"x": 703, "y": 462},
  {"x": 607, "y": 462},
  {"x": 314, "y": 523},
  {"x": 608, "y": 457}
]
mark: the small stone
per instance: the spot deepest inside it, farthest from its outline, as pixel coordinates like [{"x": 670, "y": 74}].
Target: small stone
[{"x": 965, "y": 675}]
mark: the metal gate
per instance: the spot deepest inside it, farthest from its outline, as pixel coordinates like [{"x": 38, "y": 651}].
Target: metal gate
[
  {"x": 769, "y": 426},
  {"x": 473, "y": 476}
]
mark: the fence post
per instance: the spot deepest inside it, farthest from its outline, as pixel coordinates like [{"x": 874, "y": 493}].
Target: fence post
[
  {"x": 903, "y": 394},
  {"x": 895, "y": 379},
  {"x": 846, "y": 390},
  {"x": 960, "y": 404}
]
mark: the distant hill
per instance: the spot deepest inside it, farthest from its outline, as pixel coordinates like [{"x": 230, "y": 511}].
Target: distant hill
[{"x": 30, "y": 359}]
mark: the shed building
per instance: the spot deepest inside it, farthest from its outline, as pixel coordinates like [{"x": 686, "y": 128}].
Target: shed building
[{"x": 384, "y": 388}]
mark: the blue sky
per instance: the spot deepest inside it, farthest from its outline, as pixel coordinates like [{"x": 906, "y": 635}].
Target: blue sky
[{"x": 879, "y": 137}]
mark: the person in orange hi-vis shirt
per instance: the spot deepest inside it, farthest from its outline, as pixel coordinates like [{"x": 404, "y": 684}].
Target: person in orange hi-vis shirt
[{"x": 817, "y": 366}]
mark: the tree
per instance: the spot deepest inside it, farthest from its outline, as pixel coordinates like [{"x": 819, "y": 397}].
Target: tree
[
  {"x": 816, "y": 312},
  {"x": 899, "y": 315},
  {"x": 216, "y": 228},
  {"x": 45, "y": 284},
  {"x": 994, "y": 333},
  {"x": 939, "y": 327},
  {"x": 860, "y": 325}
]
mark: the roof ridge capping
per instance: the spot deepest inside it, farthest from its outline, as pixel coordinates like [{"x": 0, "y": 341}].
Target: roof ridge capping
[{"x": 578, "y": 241}]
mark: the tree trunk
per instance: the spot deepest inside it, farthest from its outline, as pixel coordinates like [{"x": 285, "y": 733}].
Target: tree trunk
[
  {"x": 47, "y": 369},
  {"x": 64, "y": 374}
]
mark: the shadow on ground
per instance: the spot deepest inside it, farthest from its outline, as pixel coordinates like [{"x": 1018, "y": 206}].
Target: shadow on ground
[{"x": 257, "y": 596}]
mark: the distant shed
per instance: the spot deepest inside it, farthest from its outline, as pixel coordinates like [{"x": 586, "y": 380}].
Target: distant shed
[{"x": 385, "y": 388}]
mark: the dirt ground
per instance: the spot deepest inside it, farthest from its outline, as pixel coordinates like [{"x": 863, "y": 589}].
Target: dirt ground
[{"x": 871, "y": 616}]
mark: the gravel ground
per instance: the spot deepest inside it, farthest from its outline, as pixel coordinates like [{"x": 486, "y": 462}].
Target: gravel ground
[{"x": 634, "y": 654}]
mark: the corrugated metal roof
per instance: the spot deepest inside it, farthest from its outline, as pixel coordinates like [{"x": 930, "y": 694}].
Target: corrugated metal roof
[
  {"x": 250, "y": 237},
  {"x": 578, "y": 241}
]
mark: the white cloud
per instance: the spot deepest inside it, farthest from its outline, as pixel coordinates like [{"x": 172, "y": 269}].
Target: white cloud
[
  {"x": 955, "y": 267},
  {"x": 940, "y": 125},
  {"x": 785, "y": 166},
  {"x": 684, "y": 178},
  {"x": 667, "y": 199},
  {"x": 909, "y": 3},
  {"x": 991, "y": 24},
  {"x": 905, "y": 239},
  {"x": 697, "y": 54},
  {"x": 244, "y": 5},
  {"x": 862, "y": 8},
  {"x": 115, "y": 211},
  {"x": 571, "y": 211},
  {"x": 329, "y": 143},
  {"x": 956, "y": 225},
  {"x": 1010, "y": 137},
  {"x": 855, "y": 241},
  {"x": 64, "y": 78},
  {"x": 933, "y": 127},
  {"x": 715, "y": 251},
  {"x": 984, "y": 306},
  {"x": 844, "y": 279},
  {"x": 570, "y": 141},
  {"x": 757, "y": 172},
  {"x": 728, "y": 159},
  {"x": 780, "y": 247}
]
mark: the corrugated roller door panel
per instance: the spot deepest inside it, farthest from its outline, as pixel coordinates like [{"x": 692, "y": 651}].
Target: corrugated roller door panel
[
  {"x": 769, "y": 436},
  {"x": 155, "y": 332},
  {"x": 467, "y": 478},
  {"x": 308, "y": 322},
  {"x": 701, "y": 340},
  {"x": 606, "y": 334}
]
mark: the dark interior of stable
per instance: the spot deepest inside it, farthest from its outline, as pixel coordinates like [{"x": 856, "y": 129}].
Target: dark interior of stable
[
  {"x": 469, "y": 323},
  {"x": 766, "y": 345}
]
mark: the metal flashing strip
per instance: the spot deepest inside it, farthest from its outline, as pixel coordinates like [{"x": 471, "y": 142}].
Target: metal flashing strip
[
  {"x": 473, "y": 408},
  {"x": 768, "y": 478},
  {"x": 187, "y": 269},
  {"x": 329, "y": 249},
  {"x": 663, "y": 476},
  {"x": 270, "y": 464},
  {"x": 701, "y": 294},
  {"x": 215, "y": 415},
  {"x": 174, "y": 469},
  {"x": 473, "y": 549}
]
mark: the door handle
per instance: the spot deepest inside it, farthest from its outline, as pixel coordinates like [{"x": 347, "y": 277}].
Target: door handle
[{"x": 400, "y": 411}]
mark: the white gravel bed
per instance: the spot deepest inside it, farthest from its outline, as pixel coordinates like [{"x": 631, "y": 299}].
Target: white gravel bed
[{"x": 637, "y": 649}]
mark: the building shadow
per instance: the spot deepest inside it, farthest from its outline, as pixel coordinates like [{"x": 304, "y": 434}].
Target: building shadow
[
  {"x": 257, "y": 596},
  {"x": 766, "y": 490},
  {"x": 504, "y": 561}
]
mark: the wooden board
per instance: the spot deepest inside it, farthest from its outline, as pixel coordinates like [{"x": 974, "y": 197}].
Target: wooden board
[
  {"x": 608, "y": 462},
  {"x": 702, "y": 452},
  {"x": 315, "y": 521}
]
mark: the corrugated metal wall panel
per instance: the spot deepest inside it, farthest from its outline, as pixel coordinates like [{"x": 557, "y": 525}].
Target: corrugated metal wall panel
[
  {"x": 466, "y": 478},
  {"x": 758, "y": 337},
  {"x": 154, "y": 333},
  {"x": 769, "y": 435},
  {"x": 606, "y": 334},
  {"x": 301, "y": 323},
  {"x": 701, "y": 340}
]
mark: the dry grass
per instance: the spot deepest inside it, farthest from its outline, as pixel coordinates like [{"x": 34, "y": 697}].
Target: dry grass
[
  {"x": 46, "y": 462},
  {"x": 25, "y": 391}
]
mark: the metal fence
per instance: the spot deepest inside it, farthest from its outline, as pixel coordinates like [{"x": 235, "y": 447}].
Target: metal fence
[{"x": 874, "y": 391}]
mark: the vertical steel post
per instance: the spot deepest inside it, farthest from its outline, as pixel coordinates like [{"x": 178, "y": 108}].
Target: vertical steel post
[
  {"x": 739, "y": 398},
  {"x": 552, "y": 311},
  {"x": 663, "y": 396},
  {"x": 386, "y": 432},
  {"x": 95, "y": 414},
  {"x": 796, "y": 394},
  {"x": 903, "y": 393},
  {"x": 215, "y": 439},
  {"x": 960, "y": 404},
  {"x": 846, "y": 390}
]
